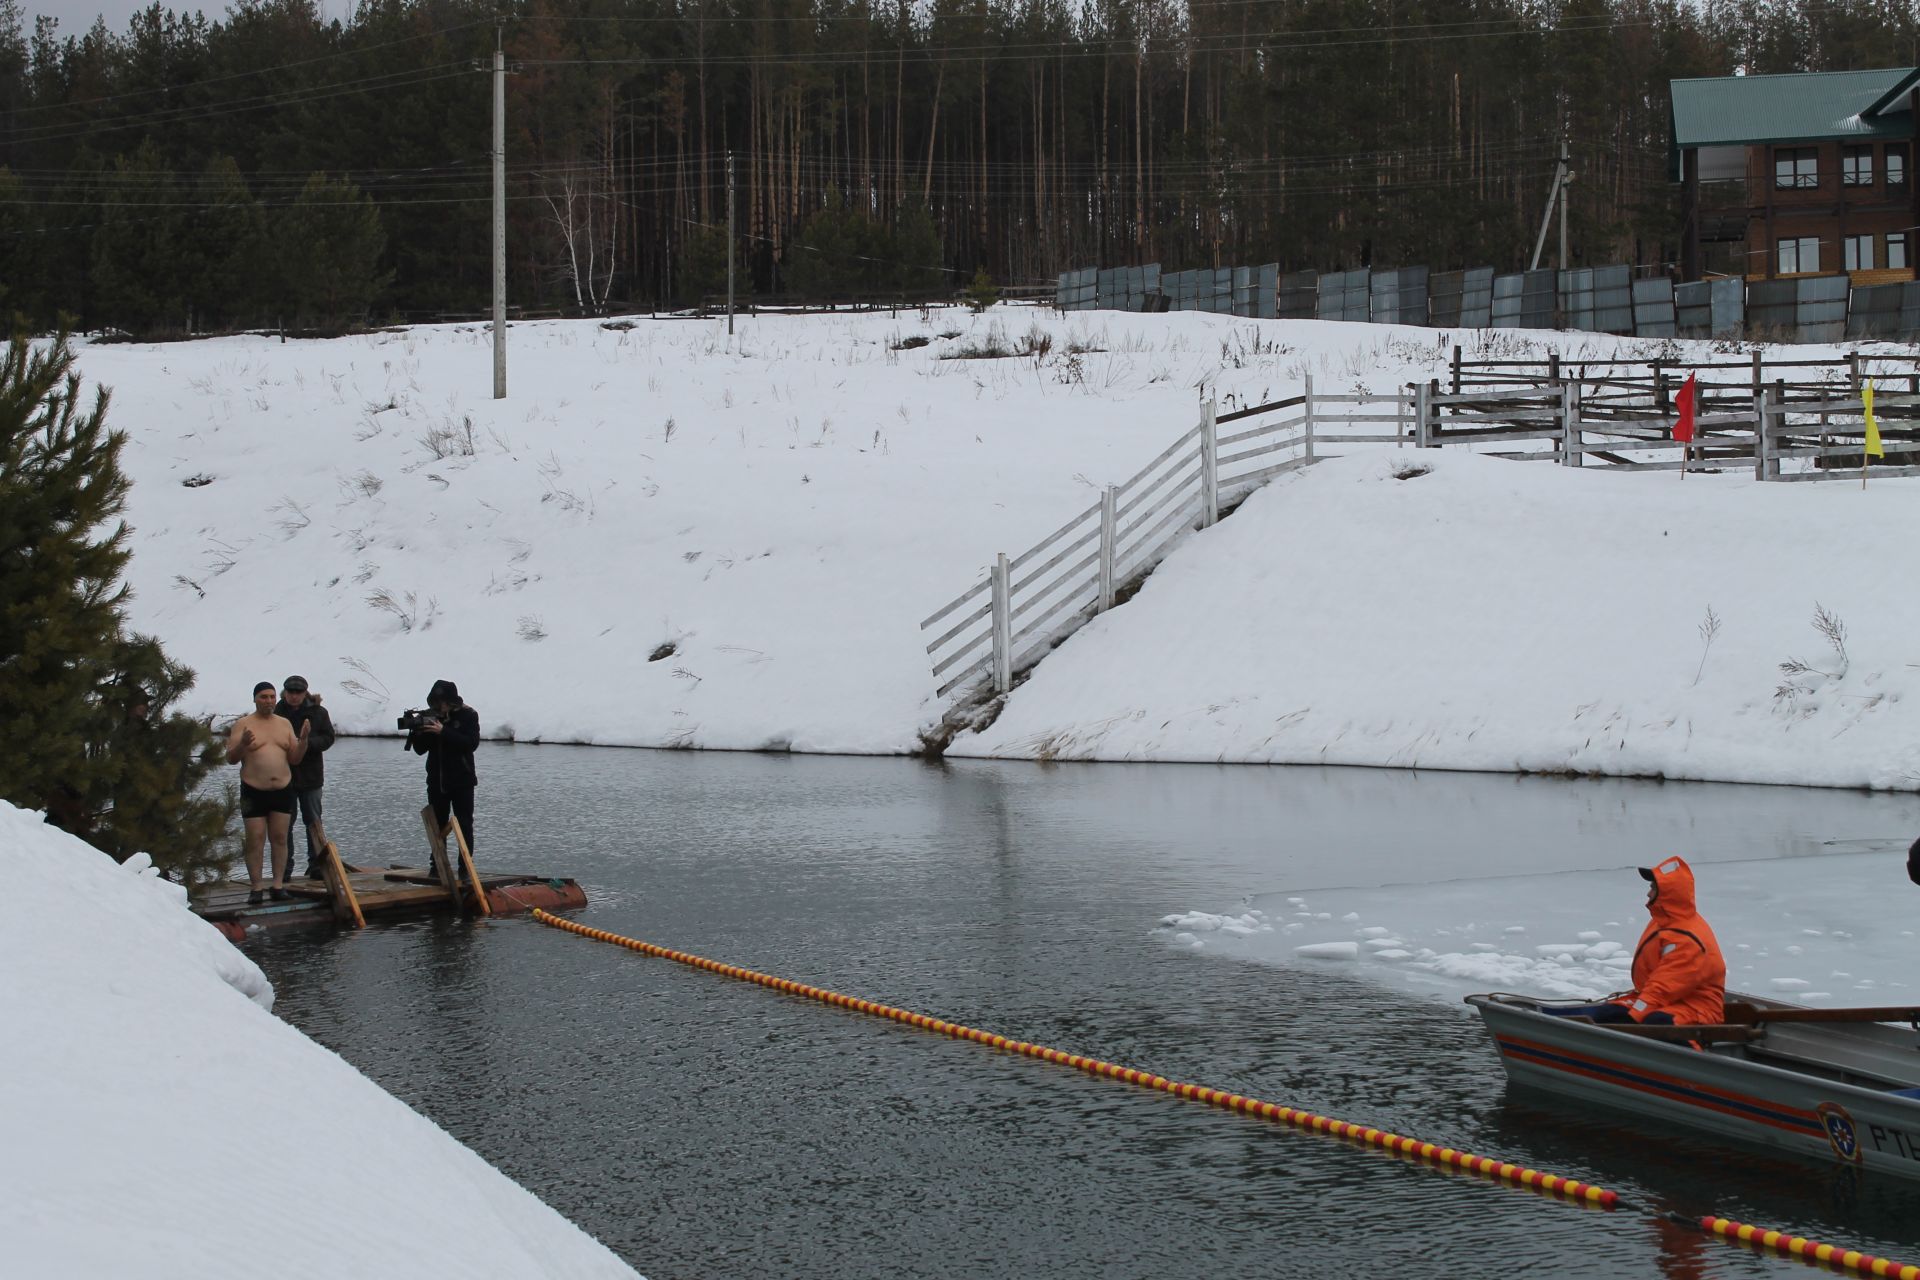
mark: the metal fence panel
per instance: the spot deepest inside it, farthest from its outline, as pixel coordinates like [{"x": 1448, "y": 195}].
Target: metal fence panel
[
  {"x": 1078, "y": 290},
  {"x": 1874, "y": 311},
  {"x": 1770, "y": 309},
  {"x": 1255, "y": 293},
  {"x": 1537, "y": 299},
  {"x": 1343, "y": 295},
  {"x": 1729, "y": 307},
  {"x": 1398, "y": 297},
  {"x": 1299, "y": 295},
  {"x": 1693, "y": 309},
  {"x": 1576, "y": 298},
  {"x": 1910, "y": 313},
  {"x": 1509, "y": 294},
  {"x": 1613, "y": 299},
  {"x": 1445, "y": 289},
  {"x": 1383, "y": 297},
  {"x": 1182, "y": 289},
  {"x": 1110, "y": 289},
  {"x": 1820, "y": 311},
  {"x": 1653, "y": 310},
  {"x": 1476, "y": 298}
]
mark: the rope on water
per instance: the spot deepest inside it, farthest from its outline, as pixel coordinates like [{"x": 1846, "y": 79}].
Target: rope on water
[{"x": 1303, "y": 1120}]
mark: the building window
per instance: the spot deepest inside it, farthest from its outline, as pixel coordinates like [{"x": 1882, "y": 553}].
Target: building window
[
  {"x": 1856, "y": 166},
  {"x": 1896, "y": 249},
  {"x": 1897, "y": 168},
  {"x": 1858, "y": 252},
  {"x": 1799, "y": 254},
  {"x": 1796, "y": 167}
]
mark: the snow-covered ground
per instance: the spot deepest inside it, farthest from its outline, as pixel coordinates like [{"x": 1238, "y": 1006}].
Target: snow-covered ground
[
  {"x": 784, "y": 507},
  {"x": 147, "y": 1132}
]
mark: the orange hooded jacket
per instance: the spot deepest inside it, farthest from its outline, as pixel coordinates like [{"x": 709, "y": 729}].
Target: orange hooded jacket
[{"x": 1677, "y": 968}]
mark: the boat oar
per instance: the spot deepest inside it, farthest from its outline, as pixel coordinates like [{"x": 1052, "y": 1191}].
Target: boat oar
[{"x": 1747, "y": 1013}]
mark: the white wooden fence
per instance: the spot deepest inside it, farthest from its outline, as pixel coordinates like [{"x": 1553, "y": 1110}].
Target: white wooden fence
[{"x": 1030, "y": 602}]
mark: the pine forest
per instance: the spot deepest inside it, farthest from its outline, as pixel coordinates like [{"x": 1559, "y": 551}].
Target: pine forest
[{"x": 268, "y": 166}]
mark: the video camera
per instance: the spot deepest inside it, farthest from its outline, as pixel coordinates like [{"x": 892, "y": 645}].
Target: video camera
[{"x": 412, "y": 720}]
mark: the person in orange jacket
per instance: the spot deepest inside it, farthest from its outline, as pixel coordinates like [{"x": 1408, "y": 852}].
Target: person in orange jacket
[{"x": 1679, "y": 975}]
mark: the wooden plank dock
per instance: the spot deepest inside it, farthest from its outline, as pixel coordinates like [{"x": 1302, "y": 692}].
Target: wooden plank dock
[{"x": 380, "y": 893}]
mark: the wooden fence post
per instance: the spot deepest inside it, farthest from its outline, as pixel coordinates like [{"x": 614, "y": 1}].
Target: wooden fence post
[
  {"x": 1002, "y": 627},
  {"x": 1422, "y": 426},
  {"x": 1306, "y": 407},
  {"x": 1853, "y": 371},
  {"x": 1760, "y": 436},
  {"x": 1566, "y": 425},
  {"x": 1573, "y": 437},
  {"x": 1209, "y": 467},
  {"x": 1107, "y": 502},
  {"x": 1456, "y": 368},
  {"x": 1759, "y": 375}
]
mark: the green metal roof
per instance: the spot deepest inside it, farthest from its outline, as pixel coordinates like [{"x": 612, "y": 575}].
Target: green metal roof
[{"x": 1739, "y": 110}]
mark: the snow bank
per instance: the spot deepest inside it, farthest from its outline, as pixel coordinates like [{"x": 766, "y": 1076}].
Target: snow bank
[
  {"x": 146, "y": 1128},
  {"x": 1494, "y": 615}
]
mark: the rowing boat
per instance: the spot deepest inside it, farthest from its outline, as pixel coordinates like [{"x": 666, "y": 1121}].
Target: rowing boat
[{"x": 1841, "y": 1084}]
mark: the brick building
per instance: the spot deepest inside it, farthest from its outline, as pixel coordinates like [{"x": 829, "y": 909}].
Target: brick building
[{"x": 1799, "y": 174}]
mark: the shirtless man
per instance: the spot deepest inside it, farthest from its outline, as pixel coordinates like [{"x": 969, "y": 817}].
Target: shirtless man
[{"x": 266, "y": 749}]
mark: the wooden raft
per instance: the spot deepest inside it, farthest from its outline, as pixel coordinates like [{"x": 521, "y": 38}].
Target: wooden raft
[{"x": 351, "y": 894}]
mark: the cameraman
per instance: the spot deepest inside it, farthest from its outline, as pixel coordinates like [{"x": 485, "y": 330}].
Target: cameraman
[{"x": 447, "y": 737}]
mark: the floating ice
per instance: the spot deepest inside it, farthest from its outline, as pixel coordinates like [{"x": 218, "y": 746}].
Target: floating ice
[{"x": 1329, "y": 951}]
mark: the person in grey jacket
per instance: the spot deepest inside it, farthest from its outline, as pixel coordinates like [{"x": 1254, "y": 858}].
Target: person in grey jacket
[{"x": 301, "y": 706}]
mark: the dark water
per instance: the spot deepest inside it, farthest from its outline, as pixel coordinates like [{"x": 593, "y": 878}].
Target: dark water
[{"x": 705, "y": 1127}]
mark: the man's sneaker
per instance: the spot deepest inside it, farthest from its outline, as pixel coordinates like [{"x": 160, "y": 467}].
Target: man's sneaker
[
  {"x": 255, "y": 898},
  {"x": 313, "y": 872}
]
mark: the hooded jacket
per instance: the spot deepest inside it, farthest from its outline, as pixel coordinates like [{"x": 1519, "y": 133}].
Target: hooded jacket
[
  {"x": 449, "y": 753},
  {"x": 1677, "y": 968}
]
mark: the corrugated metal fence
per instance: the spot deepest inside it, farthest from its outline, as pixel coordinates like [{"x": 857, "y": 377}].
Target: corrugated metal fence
[{"x": 1596, "y": 299}]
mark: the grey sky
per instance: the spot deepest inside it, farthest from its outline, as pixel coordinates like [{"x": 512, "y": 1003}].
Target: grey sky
[{"x": 77, "y": 15}]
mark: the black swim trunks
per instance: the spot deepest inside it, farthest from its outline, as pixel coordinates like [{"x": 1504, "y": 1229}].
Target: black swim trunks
[{"x": 255, "y": 803}]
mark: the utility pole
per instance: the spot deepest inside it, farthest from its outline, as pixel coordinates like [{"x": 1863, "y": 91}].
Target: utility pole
[
  {"x": 1558, "y": 191},
  {"x": 499, "y": 218},
  {"x": 1566, "y": 176},
  {"x": 729, "y": 242}
]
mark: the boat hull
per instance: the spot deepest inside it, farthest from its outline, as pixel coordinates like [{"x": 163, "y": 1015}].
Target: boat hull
[{"x": 1731, "y": 1090}]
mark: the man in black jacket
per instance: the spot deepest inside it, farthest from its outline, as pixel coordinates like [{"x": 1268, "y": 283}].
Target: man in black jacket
[
  {"x": 447, "y": 739},
  {"x": 302, "y": 707}
]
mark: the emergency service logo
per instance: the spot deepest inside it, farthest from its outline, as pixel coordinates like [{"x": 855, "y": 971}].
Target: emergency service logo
[{"x": 1840, "y": 1134}]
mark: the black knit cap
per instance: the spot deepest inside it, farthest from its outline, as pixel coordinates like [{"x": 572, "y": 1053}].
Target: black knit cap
[
  {"x": 264, "y": 684},
  {"x": 443, "y": 691},
  {"x": 294, "y": 684}
]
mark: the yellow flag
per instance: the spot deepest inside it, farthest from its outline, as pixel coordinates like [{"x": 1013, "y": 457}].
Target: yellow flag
[{"x": 1873, "y": 428}]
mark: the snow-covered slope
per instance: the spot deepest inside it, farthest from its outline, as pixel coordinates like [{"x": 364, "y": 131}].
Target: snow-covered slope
[
  {"x": 781, "y": 509},
  {"x": 146, "y": 1131},
  {"x": 1508, "y": 616}
]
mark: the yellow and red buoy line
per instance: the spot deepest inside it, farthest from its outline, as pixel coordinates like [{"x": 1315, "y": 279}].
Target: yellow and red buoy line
[
  {"x": 1303, "y": 1120},
  {"x": 1810, "y": 1250}
]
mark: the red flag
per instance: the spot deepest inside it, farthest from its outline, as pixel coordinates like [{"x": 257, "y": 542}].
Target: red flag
[{"x": 1683, "y": 428}]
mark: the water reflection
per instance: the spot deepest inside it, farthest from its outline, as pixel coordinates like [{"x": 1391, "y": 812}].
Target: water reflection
[{"x": 703, "y": 1127}]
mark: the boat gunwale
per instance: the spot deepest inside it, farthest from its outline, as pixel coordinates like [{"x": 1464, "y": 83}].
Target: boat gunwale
[{"x": 1675, "y": 1052}]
